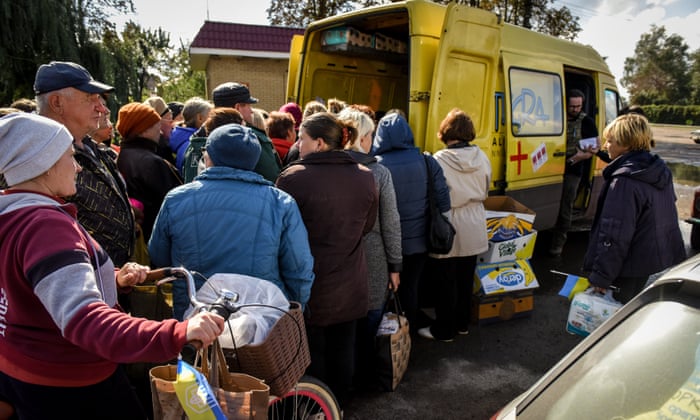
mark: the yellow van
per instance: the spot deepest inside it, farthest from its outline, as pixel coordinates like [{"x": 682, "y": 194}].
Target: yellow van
[{"x": 426, "y": 58}]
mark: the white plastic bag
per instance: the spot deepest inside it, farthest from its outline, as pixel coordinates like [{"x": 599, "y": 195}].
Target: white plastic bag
[
  {"x": 589, "y": 309},
  {"x": 249, "y": 325},
  {"x": 389, "y": 324}
]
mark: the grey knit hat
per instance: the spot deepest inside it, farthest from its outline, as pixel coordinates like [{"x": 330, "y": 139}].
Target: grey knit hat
[{"x": 30, "y": 145}]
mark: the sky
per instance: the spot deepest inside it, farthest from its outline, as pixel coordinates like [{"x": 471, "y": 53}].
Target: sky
[{"x": 612, "y": 27}]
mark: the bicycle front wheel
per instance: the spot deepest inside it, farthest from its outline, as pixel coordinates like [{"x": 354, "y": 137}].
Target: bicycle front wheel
[{"x": 309, "y": 399}]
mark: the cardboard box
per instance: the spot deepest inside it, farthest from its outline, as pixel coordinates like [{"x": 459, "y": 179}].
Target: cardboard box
[
  {"x": 385, "y": 43},
  {"x": 346, "y": 36},
  {"x": 507, "y": 218},
  {"x": 503, "y": 277},
  {"x": 502, "y": 307},
  {"x": 519, "y": 248}
]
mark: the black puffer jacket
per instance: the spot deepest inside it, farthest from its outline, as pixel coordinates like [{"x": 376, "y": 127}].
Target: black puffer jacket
[{"x": 635, "y": 232}]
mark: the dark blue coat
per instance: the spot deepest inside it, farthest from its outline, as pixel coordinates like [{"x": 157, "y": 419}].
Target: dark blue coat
[
  {"x": 635, "y": 231},
  {"x": 394, "y": 148}
]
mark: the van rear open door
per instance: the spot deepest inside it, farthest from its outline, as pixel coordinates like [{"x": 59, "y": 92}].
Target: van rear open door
[
  {"x": 465, "y": 73},
  {"x": 293, "y": 70}
]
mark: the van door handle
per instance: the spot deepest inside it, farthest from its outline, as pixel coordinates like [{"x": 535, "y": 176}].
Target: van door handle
[{"x": 557, "y": 154}]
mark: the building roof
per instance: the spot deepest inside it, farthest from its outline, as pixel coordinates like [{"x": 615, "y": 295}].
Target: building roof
[{"x": 223, "y": 38}]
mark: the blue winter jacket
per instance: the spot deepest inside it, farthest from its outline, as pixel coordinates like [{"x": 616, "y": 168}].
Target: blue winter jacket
[
  {"x": 635, "y": 231},
  {"x": 233, "y": 221},
  {"x": 179, "y": 140},
  {"x": 394, "y": 148}
]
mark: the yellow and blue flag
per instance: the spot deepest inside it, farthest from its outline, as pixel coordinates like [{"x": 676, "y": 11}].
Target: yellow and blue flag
[
  {"x": 573, "y": 285},
  {"x": 195, "y": 395}
]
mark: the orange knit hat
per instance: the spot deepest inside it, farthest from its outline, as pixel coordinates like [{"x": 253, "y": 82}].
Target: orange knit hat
[{"x": 135, "y": 118}]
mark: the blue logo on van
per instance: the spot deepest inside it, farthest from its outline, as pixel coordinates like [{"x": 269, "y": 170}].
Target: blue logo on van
[{"x": 511, "y": 278}]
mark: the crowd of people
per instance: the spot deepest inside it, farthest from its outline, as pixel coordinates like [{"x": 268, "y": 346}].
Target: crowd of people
[{"x": 326, "y": 201}]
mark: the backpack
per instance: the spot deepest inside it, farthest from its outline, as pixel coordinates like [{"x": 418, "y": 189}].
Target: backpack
[{"x": 193, "y": 154}]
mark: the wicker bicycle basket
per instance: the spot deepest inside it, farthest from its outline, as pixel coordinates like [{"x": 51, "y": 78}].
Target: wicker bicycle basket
[{"x": 281, "y": 359}]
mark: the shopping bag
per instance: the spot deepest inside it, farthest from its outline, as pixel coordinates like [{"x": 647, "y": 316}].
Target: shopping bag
[
  {"x": 589, "y": 309},
  {"x": 203, "y": 389},
  {"x": 393, "y": 345}
]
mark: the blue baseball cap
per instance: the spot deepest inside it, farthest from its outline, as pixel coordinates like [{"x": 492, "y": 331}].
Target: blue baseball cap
[{"x": 62, "y": 74}]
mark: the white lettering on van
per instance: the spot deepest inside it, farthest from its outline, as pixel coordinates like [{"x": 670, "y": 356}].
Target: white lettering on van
[{"x": 531, "y": 109}]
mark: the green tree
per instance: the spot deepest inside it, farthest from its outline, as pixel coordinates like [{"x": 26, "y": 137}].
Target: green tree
[
  {"x": 134, "y": 60},
  {"x": 35, "y": 32},
  {"x": 180, "y": 81},
  {"x": 538, "y": 15},
  {"x": 658, "y": 73},
  {"x": 295, "y": 13},
  {"x": 695, "y": 77}
]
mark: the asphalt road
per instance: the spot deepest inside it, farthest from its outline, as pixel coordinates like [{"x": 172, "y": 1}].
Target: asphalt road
[{"x": 475, "y": 375}]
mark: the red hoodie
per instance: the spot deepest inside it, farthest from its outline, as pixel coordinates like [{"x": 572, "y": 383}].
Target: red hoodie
[{"x": 59, "y": 320}]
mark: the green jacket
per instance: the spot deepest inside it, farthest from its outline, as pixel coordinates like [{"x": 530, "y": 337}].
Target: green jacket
[{"x": 269, "y": 164}]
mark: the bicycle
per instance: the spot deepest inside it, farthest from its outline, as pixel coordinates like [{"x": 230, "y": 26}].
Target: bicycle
[{"x": 309, "y": 398}]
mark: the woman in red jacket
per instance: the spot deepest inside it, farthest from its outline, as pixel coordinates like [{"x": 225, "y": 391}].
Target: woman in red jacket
[
  {"x": 338, "y": 201},
  {"x": 62, "y": 333}
]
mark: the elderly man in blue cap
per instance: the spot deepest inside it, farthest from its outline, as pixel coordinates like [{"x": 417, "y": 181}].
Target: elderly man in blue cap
[
  {"x": 67, "y": 93},
  {"x": 232, "y": 220}
]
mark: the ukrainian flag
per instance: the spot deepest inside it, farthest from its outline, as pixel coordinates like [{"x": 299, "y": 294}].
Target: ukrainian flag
[
  {"x": 195, "y": 395},
  {"x": 573, "y": 285}
]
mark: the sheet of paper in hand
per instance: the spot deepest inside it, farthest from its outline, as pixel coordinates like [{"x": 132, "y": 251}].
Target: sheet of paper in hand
[{"x": 589, "y": 142}]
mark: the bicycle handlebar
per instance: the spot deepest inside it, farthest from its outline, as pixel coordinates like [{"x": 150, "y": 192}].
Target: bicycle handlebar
[
  {"x": 158, "y": 274},
  {"x": 225, "y": 304}
]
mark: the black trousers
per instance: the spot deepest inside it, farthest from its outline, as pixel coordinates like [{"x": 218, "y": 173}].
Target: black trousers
[
  {"x": 411, "y": 275},
  {"x": 112, "y": 398},
  {"x": 332, "y": 350},
  {"x": 454, "y": 282}
]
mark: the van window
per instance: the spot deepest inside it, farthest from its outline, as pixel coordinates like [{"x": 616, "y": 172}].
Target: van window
[
  {"x": 536, "y": 103},
  {"x": 611, "y": 105}
]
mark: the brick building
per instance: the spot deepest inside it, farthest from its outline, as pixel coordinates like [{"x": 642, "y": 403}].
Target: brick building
[{"x": 254, "y": 55}]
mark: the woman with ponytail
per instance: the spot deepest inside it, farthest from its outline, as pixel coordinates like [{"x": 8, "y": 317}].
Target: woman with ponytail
[{"x": 338, "y": 201}]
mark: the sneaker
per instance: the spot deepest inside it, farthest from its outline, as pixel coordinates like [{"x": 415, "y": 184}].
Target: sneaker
[
  {"x": 463, "y": 332},
  {"x": 425, "y": 333}
]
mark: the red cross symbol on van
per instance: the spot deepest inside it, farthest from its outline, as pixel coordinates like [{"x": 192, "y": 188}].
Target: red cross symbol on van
[{"x": 519, "y": 157}]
